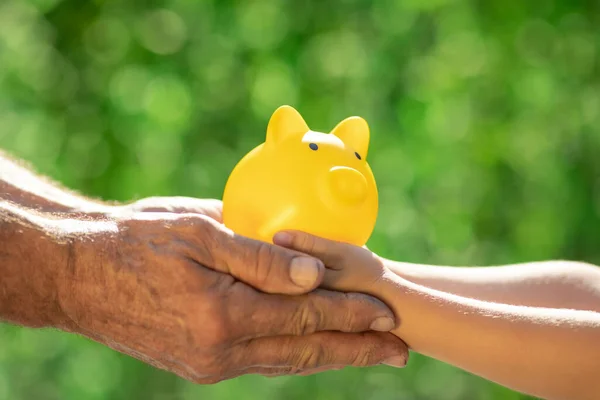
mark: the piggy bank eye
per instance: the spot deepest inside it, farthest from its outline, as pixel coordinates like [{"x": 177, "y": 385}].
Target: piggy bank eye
[
  {"x": 357, "y": 155},
  {"x": 313, "y": 146}
]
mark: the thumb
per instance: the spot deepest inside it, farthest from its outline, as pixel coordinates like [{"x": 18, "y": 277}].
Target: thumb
[
  {"x": 348, "y": 267},
  {"x": 335, "y": 255},
  {"x": 264, "y": 266}
]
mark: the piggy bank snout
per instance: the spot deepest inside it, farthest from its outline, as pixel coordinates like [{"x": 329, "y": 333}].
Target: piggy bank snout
[{"x": 347, "y": 185}]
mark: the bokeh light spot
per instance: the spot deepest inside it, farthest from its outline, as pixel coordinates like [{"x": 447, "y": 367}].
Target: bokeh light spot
[
  {"x": 167, "y": 100},
  {"x": 261, "y": 24},
  {"x": 162, "y": 31},
  {"x": 107, "y": 40},
  {"x": 273, "y": 86},
  {"x": 127, "y": 87},
  {"x": 338, "y": 55}
]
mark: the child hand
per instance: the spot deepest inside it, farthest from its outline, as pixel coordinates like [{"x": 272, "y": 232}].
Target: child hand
[{"x": 349, "y": 268}]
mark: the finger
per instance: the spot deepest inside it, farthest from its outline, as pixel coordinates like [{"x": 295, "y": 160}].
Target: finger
[
  {"x": 287, "y": 371},
  {"x": 348, "y": 267},
  {"x": 320, "y": 310},
  {"x": 268, "y": 372},
  {"x": 269, "y": 268},
  {"x": 331, "y": 252},
  {"x": 321, "y": 369},
  {"x": 324, "y": 349},
  {"x": 271, "y": 372}
]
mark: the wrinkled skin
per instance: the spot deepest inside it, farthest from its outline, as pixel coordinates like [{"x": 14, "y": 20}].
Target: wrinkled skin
[{"x": 167, "y": 283}]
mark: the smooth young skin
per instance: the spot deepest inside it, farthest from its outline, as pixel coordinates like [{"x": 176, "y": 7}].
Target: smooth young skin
[
  {"x": 550, "y": 284},
  {"x": 508, "y": 329},
  {"x": 165, "y": 282}
]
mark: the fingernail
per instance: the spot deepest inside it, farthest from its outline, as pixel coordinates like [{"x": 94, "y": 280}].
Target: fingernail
[
  {"x": 382, "y": 324},
  {"x": 396, "y": 361},
  {"x": 282, "y": 239},
  {"x": 304, "y": 271}
]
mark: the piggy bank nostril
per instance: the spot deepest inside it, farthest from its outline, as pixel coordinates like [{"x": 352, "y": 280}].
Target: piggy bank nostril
[{"x": 348, "y": 185}]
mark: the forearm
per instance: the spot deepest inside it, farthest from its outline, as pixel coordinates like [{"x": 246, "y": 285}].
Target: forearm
[
  {"x": 545, "y": 352},
  {"x": 20, "y": 185},
  {"x": 40, "y": 256},
  {"x": 552, "y": 284},
  {"x": 33, "y": 254}
]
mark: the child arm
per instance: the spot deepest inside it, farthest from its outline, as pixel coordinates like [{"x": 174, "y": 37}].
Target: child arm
[
  {"x": 547, "y": 352},
  {"x": 552, "y": 284}
]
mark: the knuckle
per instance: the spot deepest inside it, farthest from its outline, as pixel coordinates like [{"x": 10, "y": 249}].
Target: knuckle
[
  {"x": 257, "y": 261},
  {"x": 311, "y": 356},
  {"x": 306, "y": 242},
  {"x": 349, "y": 322},
  {"x": 353, "y": 312},
  {"x": 263, "y": 262},
  {"x": 308, "y": 319},
  {"x": 344, "y": 311},
  {"x": 203, "y": 235},
  {"x": 364, "y": 358}
]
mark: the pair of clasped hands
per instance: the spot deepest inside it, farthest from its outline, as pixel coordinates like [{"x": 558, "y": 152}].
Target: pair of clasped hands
[{"x": 210, "y": 305}]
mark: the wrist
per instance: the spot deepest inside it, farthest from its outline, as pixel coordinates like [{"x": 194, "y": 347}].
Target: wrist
[
  {"x": 90, "y": 241},
  {"x": 416, "y": 273}
]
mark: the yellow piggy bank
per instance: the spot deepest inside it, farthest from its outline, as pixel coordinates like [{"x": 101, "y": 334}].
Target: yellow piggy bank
[{"x": 303, "y": 180}]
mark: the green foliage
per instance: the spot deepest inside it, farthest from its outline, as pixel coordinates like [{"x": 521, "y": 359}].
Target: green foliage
[{"x": 485, "y": 142}]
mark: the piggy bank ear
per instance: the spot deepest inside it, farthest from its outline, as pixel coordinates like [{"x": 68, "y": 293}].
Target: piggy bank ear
[
  {"x": 285, "y": 121},
  {"x": 354, "y": 132}
]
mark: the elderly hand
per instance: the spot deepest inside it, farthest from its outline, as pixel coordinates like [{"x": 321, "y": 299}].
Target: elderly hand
[{"x": 182, "y": 292}]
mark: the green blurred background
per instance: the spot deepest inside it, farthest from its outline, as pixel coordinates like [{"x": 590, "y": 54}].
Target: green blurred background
[{"x": 485, "y": 123}]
